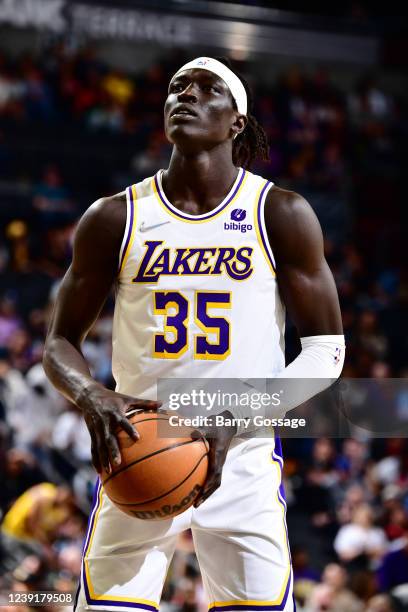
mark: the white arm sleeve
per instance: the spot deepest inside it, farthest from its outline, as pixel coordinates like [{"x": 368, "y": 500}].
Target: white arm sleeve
[
  {"x": 320, "y": 362},
  {"x": 320, "y": 357}
]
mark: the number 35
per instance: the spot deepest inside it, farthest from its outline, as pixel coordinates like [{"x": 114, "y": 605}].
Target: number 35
[{"x": 173, "y": 342}]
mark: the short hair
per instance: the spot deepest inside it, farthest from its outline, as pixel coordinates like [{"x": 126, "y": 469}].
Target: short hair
[{"x": 252, "y": 142}]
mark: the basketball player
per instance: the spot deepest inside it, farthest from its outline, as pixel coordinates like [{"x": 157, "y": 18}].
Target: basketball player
[{"x": 206, "y": 256}]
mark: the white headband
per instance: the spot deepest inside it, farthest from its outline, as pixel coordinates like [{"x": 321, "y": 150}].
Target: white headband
[{"x": 231, "y": 80}]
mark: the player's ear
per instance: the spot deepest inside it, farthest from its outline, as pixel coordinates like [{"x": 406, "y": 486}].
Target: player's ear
[{"x": 239, "y": 125}]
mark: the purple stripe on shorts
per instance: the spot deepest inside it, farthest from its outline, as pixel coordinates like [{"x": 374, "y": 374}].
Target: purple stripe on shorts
[{"x": 273, "y": 608}]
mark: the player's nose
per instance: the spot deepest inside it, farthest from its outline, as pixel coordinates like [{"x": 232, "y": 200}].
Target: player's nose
[{"x": 189, "y": 94}]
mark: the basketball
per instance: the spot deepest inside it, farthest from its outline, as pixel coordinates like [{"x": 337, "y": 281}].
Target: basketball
[{"x": 158, "y": 477}]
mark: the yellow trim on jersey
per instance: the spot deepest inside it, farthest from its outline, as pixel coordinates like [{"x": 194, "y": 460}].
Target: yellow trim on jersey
[
  {"x": 182, "y": 218},
  {"x": 132, "y": 230},
  {"x": 258, "y": 232},
  {"x": 88, "y": 576},
  {"x": 244, "y": 602}
]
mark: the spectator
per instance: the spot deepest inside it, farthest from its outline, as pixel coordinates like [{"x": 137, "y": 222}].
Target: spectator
[
  {"x": 71, "y": 434},
  {"x": 360, "y": 537},
  {"x": 352, "y": 461},
  {"x": 305, "y": 578},
  {"x": 20, "y": 471},
  {"x": 34, "y": 414},
  {"x": 10, "y": 322},
  {"x": 393, "y": 569},
  {"x": 380, "y": 603},
  {"x": 32, "y": 523},
  {"x": 51, "y": 199},
  {"x": 332, "y": 593},
  {"x": 38, "y": 513},
  {"x": 13, "y": 386},
  {"x": 118, "y": 86}
]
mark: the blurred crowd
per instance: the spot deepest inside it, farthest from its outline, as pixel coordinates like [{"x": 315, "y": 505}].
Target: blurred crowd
[{"x": 347, "y": 499}]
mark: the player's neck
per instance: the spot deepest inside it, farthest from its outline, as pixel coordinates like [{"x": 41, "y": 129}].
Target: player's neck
[{"x": 198, "y": 183}]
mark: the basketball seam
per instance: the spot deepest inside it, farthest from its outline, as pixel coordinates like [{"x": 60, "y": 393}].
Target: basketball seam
[
  {"x": 149, "y": 419},
  {"x": 148, "y": 501},
  {"x": 161, "y": 450}
]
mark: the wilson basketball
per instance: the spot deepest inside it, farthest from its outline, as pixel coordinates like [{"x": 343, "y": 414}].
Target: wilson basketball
[{"x": 158, "y": 477}]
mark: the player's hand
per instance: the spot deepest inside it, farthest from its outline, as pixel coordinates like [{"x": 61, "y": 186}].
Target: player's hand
[
  {"x": 219, "y": 439},
  {"x": 104, "y": 411}
]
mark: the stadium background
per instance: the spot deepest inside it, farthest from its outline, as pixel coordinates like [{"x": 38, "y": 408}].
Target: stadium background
[{"x": 82, "y": 87}]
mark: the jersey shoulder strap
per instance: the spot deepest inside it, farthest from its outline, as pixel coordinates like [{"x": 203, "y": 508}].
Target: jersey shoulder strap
[{"x": 134, "y": 194}]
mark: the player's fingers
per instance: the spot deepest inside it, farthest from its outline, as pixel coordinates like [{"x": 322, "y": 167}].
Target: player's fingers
[
  {"x": 95, "y": 455},
  {"x": 102, "y": 449},
  {"x": 208, "y": 490},
  {"x": 142, "y": 404},
  {"x": 216, "y": 459},
  {"x": 209, "y": 486},
  {"x": 127, "y": 426},
  {"x": 112, "y": 446},
  {"x": 215, "y": 485},
  {"x": 196, "y": 434},
  {"x": 146, "y": 405}
]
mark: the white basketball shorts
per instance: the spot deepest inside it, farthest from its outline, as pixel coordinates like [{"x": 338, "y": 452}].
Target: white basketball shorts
[{"x": 239, "y": 534}]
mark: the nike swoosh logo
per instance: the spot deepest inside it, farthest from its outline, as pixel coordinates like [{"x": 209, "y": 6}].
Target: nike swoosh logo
[{"x": 146, "y": 228}]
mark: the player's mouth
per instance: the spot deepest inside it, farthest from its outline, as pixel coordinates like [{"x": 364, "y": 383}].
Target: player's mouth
[{"x": 182, "y": 111}]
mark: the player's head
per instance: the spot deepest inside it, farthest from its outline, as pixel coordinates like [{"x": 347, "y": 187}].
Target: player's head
[
  {"x": 209, "y": 105},
  {"x": 63, "y": 497}
]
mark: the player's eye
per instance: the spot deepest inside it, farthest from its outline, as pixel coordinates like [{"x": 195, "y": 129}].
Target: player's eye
[
  {"x": 209, "y": 87},
  {"x": 175, "y": 87}
]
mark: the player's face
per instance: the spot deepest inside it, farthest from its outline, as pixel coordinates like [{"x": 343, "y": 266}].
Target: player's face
[{"x": 199, "y": 110}]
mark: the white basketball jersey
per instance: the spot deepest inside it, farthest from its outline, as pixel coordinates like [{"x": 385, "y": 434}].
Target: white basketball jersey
[{"x": 197, "y": 295}]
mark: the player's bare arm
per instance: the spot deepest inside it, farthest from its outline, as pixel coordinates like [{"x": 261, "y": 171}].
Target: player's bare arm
[
  {"x": 304, "y": 278},
  {"x": 81, "y": 297},
  {"x": 306, "y": 286}
]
